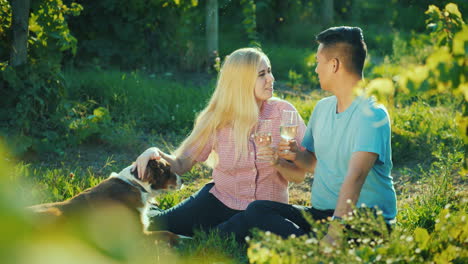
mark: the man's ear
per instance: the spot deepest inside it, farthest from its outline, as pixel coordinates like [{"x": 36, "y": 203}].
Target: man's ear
[{"x": 335, "y": 64}]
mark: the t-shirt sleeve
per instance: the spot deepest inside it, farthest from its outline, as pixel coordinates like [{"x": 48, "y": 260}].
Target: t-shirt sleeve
[
  {"x": 308, "y": 140},
  {"x": 374, "y": 135},
  {"x": 301, "y": 129}
]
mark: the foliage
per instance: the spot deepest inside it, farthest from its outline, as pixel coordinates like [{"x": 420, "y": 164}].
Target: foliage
[
  {"x": 158, "y": 35},
  {"x": 49, "y": 34},
  {"x": 437, "y": 181},
  {"x": 444, "y": 23},
  {"x": 33, "y": 92},
  {"x": 152, "y": 102},
  {"x": 445, "y": 245},
  {"x": 443, "y": 72},
  {"x": 5, "y": 24},
  {"x": 53, "y": 184},
  {"x": 85, "y": 125},
  {"x": 209, "y": 247},
  {"x": 250, "y": 21},
  {"x": 416, "y": 139},
  {"x": 285, "y": 59},
  {"x": 295, "y": 80}
]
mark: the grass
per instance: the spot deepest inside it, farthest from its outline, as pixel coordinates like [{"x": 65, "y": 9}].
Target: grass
[{"x": 156, "y": 102}]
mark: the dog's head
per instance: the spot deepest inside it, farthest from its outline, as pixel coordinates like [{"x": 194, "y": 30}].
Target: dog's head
[{"x": 159, "y": 176}]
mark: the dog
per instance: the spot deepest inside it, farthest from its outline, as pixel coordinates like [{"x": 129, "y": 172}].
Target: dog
[{"x": 122, "y": 189}]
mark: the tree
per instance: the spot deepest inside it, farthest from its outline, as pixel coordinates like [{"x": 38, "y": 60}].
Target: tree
[
  {"x": 211, "y": 28},
  {"x": 327, "y": 13},
  {"x": 20, "y": 17}
]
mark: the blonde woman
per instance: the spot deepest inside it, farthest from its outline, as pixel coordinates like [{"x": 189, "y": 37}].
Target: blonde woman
[{"x": 223, "y": 131}]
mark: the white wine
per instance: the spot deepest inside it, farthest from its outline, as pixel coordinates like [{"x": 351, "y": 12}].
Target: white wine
[
  {"x": 288, "y": 132},
  {"x": 263, "y": 139}
]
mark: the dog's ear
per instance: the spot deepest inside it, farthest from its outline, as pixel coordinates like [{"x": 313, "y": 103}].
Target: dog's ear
[
  {"x": 161, "y": 171},
  {"x": 152, "y": 170}
]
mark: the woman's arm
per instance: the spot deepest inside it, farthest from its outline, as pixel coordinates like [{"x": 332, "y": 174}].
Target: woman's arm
[{"x": 178, "y": 165}]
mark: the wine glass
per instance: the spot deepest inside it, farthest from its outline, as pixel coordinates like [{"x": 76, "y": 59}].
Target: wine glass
[
  {"x": 263, "y": 134},
  {"x": 288, "y": 127}
]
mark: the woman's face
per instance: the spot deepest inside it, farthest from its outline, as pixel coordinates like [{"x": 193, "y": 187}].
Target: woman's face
[{"x": 264, "y": 84}]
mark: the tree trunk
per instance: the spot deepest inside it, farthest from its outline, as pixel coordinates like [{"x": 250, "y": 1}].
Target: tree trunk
[
  {"x": 211, "y": 29},
  {"x": 327, "y": 13},
  {"x": 20, "y": 22}
]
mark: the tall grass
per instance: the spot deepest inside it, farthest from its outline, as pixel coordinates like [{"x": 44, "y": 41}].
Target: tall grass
[{"x": 155, "y": 102}]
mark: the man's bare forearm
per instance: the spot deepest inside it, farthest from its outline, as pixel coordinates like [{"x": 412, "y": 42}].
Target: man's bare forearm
[
  {"x": 306, "y": 160},
  {"x": 290, "y": 171}
]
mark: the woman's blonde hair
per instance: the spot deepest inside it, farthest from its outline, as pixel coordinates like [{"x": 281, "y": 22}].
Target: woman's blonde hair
[{"x": 232, "y": 104}]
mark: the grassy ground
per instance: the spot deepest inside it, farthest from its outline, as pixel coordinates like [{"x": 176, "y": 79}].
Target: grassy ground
[{"x": 427, "y": 176}]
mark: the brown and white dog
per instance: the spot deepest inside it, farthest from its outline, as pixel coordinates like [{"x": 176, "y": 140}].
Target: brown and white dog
[{"x": 122, "y": 189}]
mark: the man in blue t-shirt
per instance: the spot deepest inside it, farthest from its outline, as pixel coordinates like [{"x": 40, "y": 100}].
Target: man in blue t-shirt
[{"x": 347, "y": 147}]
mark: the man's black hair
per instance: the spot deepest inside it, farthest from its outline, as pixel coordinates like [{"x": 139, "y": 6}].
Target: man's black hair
[{"x": 346, "y": 35}]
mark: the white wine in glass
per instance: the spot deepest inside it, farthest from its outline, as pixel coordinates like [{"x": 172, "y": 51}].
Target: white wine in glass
[
  {"x": 263, "y": 133},
  {"x": 263, "y": 139},
  {"x": 288, "y": 132},
  {"x": 289, "y": 123}
]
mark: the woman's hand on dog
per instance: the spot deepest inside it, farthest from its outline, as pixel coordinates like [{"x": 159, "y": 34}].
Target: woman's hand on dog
[{"x": 142, "y": 160}]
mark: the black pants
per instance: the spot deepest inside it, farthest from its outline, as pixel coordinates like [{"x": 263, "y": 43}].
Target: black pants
[
  {"x": 281, "y": 219},
  {"x": 202, "y": 211}
]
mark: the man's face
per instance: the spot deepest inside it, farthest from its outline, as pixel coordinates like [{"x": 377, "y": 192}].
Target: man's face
[{"x": 324, "y": 68}]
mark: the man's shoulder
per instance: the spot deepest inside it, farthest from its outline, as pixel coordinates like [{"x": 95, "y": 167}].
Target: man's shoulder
[
  {"x": 326, "y": 102},
  {"x": 374, "y": 112},
  {"x": 371, "y": 108}
]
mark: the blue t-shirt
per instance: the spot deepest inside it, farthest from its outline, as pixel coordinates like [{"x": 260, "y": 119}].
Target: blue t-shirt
[{"x": 334, "y": 137}]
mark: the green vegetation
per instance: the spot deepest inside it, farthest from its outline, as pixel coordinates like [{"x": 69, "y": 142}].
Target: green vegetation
[{"x": 98, "y": 90}]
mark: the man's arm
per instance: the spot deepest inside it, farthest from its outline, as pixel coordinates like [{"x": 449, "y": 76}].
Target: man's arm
[
  {"x": 359, "y": 166},
  {"x": 305, "y": 160},
  {"x": 290, "y": 171}
]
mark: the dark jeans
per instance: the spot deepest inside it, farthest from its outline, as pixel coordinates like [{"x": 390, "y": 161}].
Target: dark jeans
[
  {"x": 202, "y": 211},
  {"x": 281, "y": 219}
]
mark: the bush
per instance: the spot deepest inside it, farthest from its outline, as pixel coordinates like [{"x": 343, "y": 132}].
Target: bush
[{"x": 445, "y": 244}]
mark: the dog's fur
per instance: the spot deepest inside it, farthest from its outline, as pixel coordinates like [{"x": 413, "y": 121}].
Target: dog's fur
[{"x": 122, "y": 189}]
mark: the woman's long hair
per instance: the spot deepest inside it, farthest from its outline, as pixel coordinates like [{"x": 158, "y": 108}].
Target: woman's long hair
[{"x": 232, "y": 104}]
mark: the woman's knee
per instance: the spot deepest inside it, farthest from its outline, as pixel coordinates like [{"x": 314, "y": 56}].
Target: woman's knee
[
  {"x": 258, "y": 210},
  {"x": 259, "y": 205}
]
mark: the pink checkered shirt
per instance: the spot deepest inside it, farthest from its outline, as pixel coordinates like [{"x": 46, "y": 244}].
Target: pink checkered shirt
[{"x": 238, "y": 183}]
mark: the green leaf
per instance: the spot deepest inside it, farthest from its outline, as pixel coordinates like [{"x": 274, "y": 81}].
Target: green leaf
[
  {"x": 453, "y": 9},
  {"x": 421, "y": 236},
  {"x": 459, "y": 41},
  {"x": 100, "y": 112}
]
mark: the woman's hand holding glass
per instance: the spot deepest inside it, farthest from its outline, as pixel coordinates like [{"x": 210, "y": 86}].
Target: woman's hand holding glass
[{"x": 265, "y": 153}]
